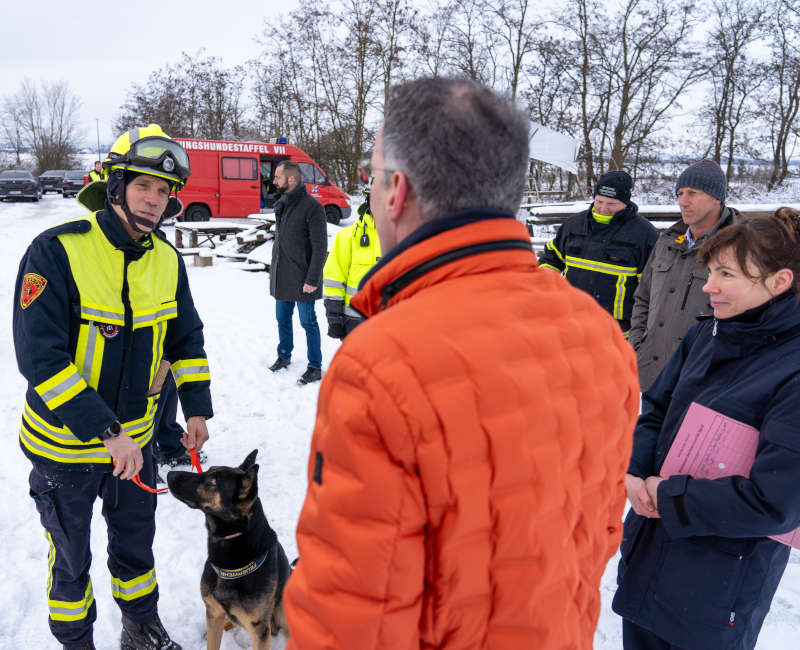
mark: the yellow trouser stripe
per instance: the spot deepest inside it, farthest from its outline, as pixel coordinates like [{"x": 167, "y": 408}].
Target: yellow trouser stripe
[
  {"x": 65, "y": 610},
  {"x": 61, "y": 387},
  {"x": 135, "y": 588}
]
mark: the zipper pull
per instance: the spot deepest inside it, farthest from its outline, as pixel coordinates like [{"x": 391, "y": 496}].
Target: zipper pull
[
  {"x": 714, "y": 331},
  {"x": 386, "y": 295},
  {"x": 731, "y": 619}
]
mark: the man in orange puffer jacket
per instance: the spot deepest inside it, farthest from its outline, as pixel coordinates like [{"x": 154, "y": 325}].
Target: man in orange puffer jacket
[{"x": 466, "y": 476}]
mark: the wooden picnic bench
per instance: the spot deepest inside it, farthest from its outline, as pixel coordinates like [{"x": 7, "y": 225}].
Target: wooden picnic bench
[{"x": 205, "y": 232}]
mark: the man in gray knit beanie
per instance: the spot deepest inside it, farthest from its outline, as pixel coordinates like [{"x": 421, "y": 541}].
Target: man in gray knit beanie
[
  {"x": 704, "y": 175},
  {"x": 701, "y": 189},
  {"x": 670, "y": 295}
]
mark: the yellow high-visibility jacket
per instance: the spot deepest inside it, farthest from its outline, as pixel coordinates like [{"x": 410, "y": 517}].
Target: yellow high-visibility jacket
[
  {"x": 348, "y": 262},
  {"x": 95, "y": 313}
]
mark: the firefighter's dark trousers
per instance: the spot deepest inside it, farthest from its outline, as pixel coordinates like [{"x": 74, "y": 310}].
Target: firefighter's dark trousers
[{"x": 64, "y": 500}]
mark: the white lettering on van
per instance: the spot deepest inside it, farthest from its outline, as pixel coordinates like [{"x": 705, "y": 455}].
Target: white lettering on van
[{"x": 280, "y": 150}]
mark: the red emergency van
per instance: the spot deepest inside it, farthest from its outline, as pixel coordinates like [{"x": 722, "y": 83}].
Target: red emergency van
[{"x": 234, "y": 179}]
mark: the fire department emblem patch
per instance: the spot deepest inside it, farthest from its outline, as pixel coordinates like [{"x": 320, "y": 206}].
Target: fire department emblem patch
[
  {"x": 108, "y": 330},
  {"x": 33, "y": 285}
]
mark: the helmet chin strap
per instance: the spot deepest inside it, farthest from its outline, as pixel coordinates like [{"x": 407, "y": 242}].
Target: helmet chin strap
[{"x": 134, "y": 219}]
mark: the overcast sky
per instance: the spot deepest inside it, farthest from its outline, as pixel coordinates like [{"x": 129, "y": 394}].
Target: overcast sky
[{"x": 101, "y": 48}]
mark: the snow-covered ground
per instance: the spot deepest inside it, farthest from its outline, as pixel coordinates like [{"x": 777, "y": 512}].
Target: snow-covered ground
[{"x": 255, "y": 409}]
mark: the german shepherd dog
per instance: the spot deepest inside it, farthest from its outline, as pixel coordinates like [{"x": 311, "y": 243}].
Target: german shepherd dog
[{"x": 246, "y": 568}]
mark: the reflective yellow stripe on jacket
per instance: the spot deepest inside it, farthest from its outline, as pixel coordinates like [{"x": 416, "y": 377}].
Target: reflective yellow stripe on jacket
[
  {"x": 621, "y": 272},
  {"x": 190, "y": 370},
  {"x": 61, "y": 387},
  {"x": 59, "y": 444}
]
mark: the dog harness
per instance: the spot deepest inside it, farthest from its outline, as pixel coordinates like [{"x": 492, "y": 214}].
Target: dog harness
[{"x": 247, "y": 569}]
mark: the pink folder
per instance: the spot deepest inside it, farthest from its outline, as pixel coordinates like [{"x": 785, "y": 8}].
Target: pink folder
[{"x": 712, "y": 445}]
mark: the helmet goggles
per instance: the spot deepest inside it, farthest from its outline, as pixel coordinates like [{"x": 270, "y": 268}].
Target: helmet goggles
[{"x": 156, "y": 155}]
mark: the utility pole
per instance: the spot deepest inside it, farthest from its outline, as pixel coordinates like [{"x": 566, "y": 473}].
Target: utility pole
[{"x": 99, "y": 155}]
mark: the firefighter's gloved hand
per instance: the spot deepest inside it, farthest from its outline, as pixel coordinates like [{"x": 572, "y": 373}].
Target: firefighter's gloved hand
[{"x": 336, "y": 330}]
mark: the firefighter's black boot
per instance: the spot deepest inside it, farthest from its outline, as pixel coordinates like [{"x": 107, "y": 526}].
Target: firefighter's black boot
[{"x": 145, "y": 636}]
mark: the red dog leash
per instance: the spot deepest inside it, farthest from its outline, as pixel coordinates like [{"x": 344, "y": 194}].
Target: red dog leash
[{"x": 195, "y": 464}]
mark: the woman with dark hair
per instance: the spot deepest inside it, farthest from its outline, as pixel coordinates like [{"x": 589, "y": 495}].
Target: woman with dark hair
[{"x": 698, "y": 570}]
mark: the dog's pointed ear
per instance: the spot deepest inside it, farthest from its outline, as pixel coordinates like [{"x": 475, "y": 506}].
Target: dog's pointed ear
[
  {"x": 249, "y": 485},
  {"x": 248, "y": 462}
]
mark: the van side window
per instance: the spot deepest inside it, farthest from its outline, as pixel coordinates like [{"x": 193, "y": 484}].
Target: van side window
[
  {"x": 307, "y": 170},
  {"x": 311, "y": 174},
  {"x": 239, "y": 168}
]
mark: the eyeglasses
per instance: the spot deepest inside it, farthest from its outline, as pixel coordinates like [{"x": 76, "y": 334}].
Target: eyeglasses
[{"x": 369, "y": 171}]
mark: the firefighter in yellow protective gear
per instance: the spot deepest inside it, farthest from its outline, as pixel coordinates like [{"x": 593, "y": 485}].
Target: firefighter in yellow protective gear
[
  {"x": 355, "y": 251},
  {"x": 98, "y": 173},
  {"x": 102, "y": 302}
]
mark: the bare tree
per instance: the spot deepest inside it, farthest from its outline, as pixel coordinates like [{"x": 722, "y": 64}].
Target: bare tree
[
  {"x": 593, "y": 92},
  {"x": 470, "y": 46},
  {"x": 549, "y": 91},
  {"x": 783, "y": 78},
  {"x": 513, "y": 28},
  {"x": 650, "y": 63},
  {"x": 430, "y": 39},
  {"x": 734, "y": 76},
  {"x": 197, "y": 97},
  {"x": 49, "y": 120},
  {"x": 630, "y": 71},
  {"x": 161, "y": 100},
  {"x": 394, "y": 30},
  {"x": 13, "y": 128},
  {"x": 328, "y": 80}
]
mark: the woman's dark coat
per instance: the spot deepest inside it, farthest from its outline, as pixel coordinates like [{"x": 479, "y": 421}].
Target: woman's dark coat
[
  {"x": 704, "y": 574},
  {"x": 300, "y": 246}
]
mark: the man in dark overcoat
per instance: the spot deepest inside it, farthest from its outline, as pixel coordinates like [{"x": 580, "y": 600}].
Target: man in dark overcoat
[{"x": 295, "y": 275}]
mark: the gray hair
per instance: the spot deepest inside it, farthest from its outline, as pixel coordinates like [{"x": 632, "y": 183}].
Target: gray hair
[{"x": 460, "y": 144}]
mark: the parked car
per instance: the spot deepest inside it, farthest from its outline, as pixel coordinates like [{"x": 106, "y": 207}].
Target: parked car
[
  {"x": 72, "y": 183},
  {"x": 51, "y": 180},
  {"x": 19, "y": 184}
]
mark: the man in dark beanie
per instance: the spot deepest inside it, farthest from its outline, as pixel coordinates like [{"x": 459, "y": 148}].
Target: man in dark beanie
[
  {"x": 603, "y": 249},
  {"x": 670, "y": 297}
]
